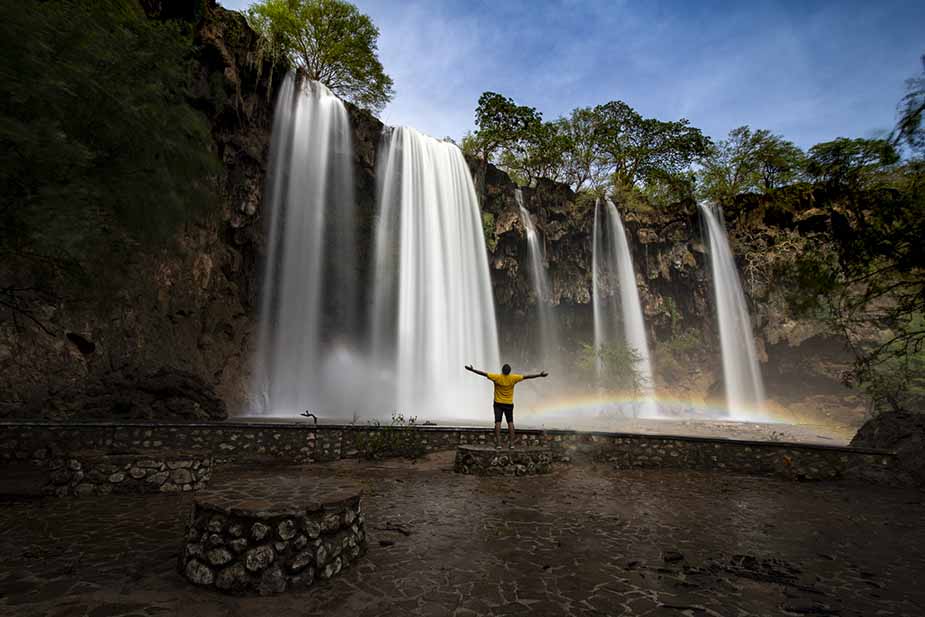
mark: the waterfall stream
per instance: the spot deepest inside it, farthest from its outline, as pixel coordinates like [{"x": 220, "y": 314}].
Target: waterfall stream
[
  {"x": 741, "y": 375},
  {"x": 433, "y": 309},
  {"x": 612, "y": 266},
  {"x": 547, "y": 351}
]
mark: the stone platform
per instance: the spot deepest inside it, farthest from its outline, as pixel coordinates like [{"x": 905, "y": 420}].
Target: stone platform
[
  {"x": 93, "y": 472},
  {"x": 285, "y": 534},
  {"x": 483, "y": 460}
]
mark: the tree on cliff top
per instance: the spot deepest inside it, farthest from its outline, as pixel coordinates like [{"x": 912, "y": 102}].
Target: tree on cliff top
[
  {"x": 503, "y": 124},
  {"x": 850, "y": 163},
  {"x": 635, "y": 149},
  {"x": 331, "y": 41},
  {"x": 749, "y": 161}
]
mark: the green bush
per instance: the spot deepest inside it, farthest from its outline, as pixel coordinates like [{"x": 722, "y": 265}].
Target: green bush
[
  {"x": 398, "y": 439},
  {"x": 619, "y": 366}
]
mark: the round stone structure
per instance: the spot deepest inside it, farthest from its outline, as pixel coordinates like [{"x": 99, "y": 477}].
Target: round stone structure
[
  {"x": 289, "y": 536},
  {"x": 483, "y": 460}
]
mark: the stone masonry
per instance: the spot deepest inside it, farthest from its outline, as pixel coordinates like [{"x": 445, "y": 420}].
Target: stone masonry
[
  {"x": 489, "y": 461},
  {"x": 84, "y": 473},
  {"x": 241, "y": 544},
  {"x": 299, "y": 443}
]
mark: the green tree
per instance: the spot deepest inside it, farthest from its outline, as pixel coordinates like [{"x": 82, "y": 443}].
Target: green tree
[
  {"x": 748, "y": 161},
  {"x": 780, "y": 162},
  {"x": 615, "y": 366},
  {"x": 331, "y": 41},
  {"x": 540, "y": 154},
  {"x": 582, "y": 163},
  {"x": 850, "y": 163},
  {"x": 503, "y": 125},
  {"x": 910, "y": 128},
  {"x": 634, "y": 149},
  {"x": 868, "y": 284},
  {"x": 100, "y": 152}
]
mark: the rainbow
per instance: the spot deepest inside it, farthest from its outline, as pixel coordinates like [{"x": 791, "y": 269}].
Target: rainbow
[{"x": 590, "y": 406}]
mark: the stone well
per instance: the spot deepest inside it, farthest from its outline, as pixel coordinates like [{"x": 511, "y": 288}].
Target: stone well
[
  {"x": 486, "y": 460},
  {"x": 91, "y": 472},
  {"x": 287, "y": 537}
]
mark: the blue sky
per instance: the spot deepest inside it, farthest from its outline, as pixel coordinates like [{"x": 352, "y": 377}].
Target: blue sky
[{"x": 811, "y": 71}]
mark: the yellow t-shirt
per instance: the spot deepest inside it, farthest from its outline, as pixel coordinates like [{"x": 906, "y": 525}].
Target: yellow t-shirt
[{"x": 504, "y": 386}]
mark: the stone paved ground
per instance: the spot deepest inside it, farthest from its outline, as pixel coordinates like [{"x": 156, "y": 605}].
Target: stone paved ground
[{"x": 584, "y": 540}]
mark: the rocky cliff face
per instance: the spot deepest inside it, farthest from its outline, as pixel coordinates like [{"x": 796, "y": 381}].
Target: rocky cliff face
[
  {"x": 193, "y": 308},
  {"x": 189, "y": 308},
  {"x": 802, "y": 361}
]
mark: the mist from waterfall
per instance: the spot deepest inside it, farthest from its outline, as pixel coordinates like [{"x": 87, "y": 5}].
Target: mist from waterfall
[
  {"x": 433, "y": 309},
  {"x": 308, "y": 294},
  {"x": 612, "y": 265},
  {"x": 547, "y": 350},
  {"x": 741, "y": 375}
]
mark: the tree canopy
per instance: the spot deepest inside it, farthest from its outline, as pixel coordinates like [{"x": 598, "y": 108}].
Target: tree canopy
[
  {"x": 99, "y": 149},
  {"x": 331, "y": 41},
  {"x": 636, "y": 149},
  {"x": 850, "y": 163},
  {"x": 503, "y": 124},
  {"x": 610, "y": 144},
  {"x": 748, "y": 161},
  {"x": 911, "y": 126}
]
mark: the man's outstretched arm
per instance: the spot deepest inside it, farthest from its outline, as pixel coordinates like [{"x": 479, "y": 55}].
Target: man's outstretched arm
[
  {"x": 540, "y": 374},
  {"x": 476, "y": 371}
]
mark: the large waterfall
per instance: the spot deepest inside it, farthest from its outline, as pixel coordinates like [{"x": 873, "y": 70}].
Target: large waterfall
[
  {"x": 741, "y": 376},
  {"x": 547, "y": 350},
  {"x": 308, "y": 296},
  {"x": 612, "y": 263},
  {"x": 433, "y": 310}
]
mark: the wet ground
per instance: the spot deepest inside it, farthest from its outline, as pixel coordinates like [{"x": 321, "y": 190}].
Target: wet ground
[{"x": 585, "y": 540}]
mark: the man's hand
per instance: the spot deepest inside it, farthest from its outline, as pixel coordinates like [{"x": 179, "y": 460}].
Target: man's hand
[
  {"x": 544, "y": 374},
  {"x": 469, "y": 368}
]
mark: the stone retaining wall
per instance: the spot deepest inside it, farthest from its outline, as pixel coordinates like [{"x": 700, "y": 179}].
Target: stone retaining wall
[
  {"x": 300, "y": 442},
  {"x": 99, "y": 473},
  {"x": 490, "y": 461}
]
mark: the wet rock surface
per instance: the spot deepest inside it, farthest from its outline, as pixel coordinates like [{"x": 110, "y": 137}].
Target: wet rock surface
[{"x": 583, "y": 540}]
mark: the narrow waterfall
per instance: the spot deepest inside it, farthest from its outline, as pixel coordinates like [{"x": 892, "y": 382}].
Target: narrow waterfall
[
  {"x": 433, "y": 310},
  {"x": 741, "y": 376},
  {"x": 306, "y": 289},
  {"x": 547, "y": 349},
  {"x": 612, "y": 265}
]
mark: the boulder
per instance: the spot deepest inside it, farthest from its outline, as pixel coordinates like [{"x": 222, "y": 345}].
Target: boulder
[{"x": 903, "y": 432}]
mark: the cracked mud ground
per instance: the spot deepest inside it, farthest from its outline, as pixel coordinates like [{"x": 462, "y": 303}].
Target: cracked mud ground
[{"x": 585, "y": 540}]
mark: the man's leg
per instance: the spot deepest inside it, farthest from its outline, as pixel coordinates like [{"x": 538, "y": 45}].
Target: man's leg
[
  {"x": 509, "y": 416},
  {"x": 498, "y": 434}
]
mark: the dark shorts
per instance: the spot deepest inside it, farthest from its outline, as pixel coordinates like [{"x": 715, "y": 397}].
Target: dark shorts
[{"x": 505, "y": 409}]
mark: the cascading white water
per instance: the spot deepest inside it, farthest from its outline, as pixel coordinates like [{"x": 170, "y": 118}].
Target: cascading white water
[
  {"x": 309, "y": 200},
  {"x": 433, "y": 310},
  {"x": 548, "y": 347},
  {"x": 741, "y": 375},
  {"x": 611, "y": 256}
]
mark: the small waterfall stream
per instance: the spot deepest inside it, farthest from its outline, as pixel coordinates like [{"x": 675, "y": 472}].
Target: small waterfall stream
[
  {"x": 612, "y": 265},
  {"x": 741, "y": 375},
  {"x": 548, "y": 351}
]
